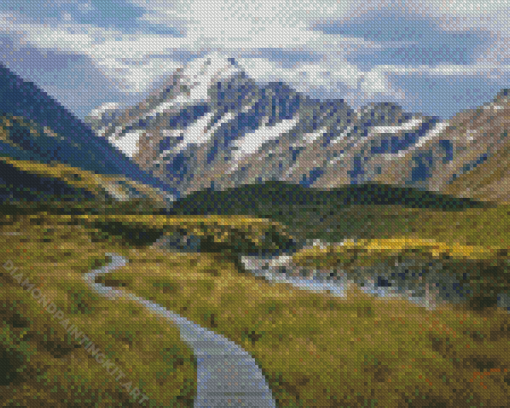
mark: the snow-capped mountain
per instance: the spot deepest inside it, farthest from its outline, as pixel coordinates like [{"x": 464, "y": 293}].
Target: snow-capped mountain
[{"x": 211, "y": 126}]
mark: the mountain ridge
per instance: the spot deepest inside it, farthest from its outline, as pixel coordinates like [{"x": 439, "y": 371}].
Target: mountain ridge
[{"x": 212, "y": 126}]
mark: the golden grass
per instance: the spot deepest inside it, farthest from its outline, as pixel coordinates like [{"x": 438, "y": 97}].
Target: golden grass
[
  {"x": 317, "y": 350},
  {"x": 472, "y": 227},
  {"x": 45, "y": 365},
  {"x": 377, "y": 250}
]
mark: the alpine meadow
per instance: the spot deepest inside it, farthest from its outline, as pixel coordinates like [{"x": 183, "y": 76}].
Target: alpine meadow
[{"x": 254, "y": 203}]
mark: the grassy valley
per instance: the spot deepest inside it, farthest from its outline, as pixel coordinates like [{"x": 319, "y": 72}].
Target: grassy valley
[
  {"x": 45, "y": 365},
  {"x": 314, "y": 349},
  {"x": 68, "y": 199},
  {"x": 318, "y": 350},
  {"x": 52, "y": 250}
]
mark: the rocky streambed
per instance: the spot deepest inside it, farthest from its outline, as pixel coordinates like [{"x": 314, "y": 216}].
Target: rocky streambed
[{"x": 427, "y": 284}]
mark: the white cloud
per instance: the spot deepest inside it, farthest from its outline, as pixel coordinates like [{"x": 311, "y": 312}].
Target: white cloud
[
  {"x": 470, "y": 7},
  {"x": 240, "y": 28},
  {"x": 326, "y": 76},
  {"x": 255, "y": 12},
  {"x": 109, "y": 54},
  {"x": 459, "y": 15},
  {"x": 7, "y": 21},
  {"x": 375, "y": 82},
  {"x": 232, "y": 26},
  {"x": 442, "y": 70},
  {"x": 242, "y": 25},
  {"x": 86, "y": 7}
]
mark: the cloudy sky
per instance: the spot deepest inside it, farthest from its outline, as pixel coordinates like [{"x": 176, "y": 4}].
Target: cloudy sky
[{"x": 431, "y": 56}]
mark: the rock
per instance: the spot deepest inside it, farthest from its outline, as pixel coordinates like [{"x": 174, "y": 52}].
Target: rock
[{"x": 179, "y": 241}]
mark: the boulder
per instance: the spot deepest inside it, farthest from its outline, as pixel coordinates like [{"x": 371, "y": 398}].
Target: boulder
[{"x": 179, "y": 241}]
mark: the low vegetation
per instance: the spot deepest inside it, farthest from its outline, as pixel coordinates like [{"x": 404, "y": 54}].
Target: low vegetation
[
  {"x": 319, "y": 350},
  {"x": 229, "y": 234},
  {"x": 45, "y": 365},
  {"x": 486, "y": 269},
  {"x": 369, "y": 252},
  {"x": 364, "y": 212},
  {"x": 313, "y": 348}
]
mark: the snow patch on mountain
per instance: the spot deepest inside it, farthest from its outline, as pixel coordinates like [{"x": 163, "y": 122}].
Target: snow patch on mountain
[
  {"x": 311, "y": 137},
  {"x": 440, "y": 127},
  {"x": 178, "y": 103},
  {"x": 342, "y": 136},
  {"x": 103, "y": 109},
  {"x": 196, "y": 133},
  {"x": 410, "y": 125},
  {"x": 128, "y": 143},
  {"x": 253, "y": 141}
]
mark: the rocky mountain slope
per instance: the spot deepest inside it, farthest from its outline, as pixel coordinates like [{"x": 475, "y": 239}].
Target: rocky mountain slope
[
  {"x": 44, "y": 145},
  {"x": 212, "y": 127}
]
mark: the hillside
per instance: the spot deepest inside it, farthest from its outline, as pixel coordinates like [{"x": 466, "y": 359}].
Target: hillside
[
  {"x": 36, "y": 128},
  {"x": 31, "y": 181},
  {"x": 328, "y": 214}
]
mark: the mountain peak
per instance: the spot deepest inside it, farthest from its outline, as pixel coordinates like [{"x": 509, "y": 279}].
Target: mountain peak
[
  {"x": 201, "y": 73},
  {"x": 210, "y": 64}
]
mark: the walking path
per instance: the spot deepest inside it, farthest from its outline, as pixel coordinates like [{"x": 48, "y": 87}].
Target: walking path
[{"x": 227, "y": 375}]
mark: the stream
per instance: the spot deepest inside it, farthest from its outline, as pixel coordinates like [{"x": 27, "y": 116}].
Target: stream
[{"x": 406, "y": 280}]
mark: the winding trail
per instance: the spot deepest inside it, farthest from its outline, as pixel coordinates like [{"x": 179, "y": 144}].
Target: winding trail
[{"x": 227, "y": 376}]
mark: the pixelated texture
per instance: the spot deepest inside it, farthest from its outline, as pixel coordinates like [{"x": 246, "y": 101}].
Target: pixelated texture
[{"x": 254, "y": 203}]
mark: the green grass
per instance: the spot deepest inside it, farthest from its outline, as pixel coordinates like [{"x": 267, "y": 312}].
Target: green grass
[
  {"x": 234, "y": 233},
  {"x": 368, "y": 252},
  {"x": 318, "y": 350},
  {"x": 44, "y": 364},
  {"x": 314, "y": 349},
  {"x": 364, "y": 211}
]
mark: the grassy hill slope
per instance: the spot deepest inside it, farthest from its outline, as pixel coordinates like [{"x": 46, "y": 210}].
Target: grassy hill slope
[
  {"x": 363, "y": 211},
  {"x": 54, "y": 249},
  {"x": 44, "y": 364}
]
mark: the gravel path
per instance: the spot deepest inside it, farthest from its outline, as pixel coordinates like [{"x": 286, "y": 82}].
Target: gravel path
[{"x": 227, "y": 375}]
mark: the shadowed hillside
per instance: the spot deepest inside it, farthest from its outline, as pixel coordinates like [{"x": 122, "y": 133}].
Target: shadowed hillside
[
  {"x": 35, "y": 127},
  {"x": 334, "y": 214},
  {"x": 262, "y": 196}
]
